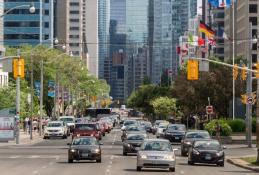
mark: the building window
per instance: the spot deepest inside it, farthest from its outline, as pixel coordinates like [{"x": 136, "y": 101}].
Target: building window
[
  {"x": 252, "y": 8},
  {"x": 254, "y": 58},
  {"x": 22, "y": 24},
  {"x": 74, "y": 12},
  {"x": 21, "y": 36},
  {"x": 74, "y": 44},
  {"x": 254, "y": 33},
  {"x": 46, "y": 37},
  {"x": 46, "y": 1},
  {"x": 74, "y": 36},
  {"x": 253, "y": 20},
  {"x": 74, "y": 20},
  {"x": 254, "y": 47},
  {"x": 46, "y": 12},
  {"x": 46, "y": 24},
  {"x": 74, "y": 28},
  {"x": 74, "y": 3}
]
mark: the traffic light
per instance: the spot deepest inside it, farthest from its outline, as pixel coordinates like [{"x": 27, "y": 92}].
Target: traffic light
[
  {"x": 257, "y": 70},
  {"x": 244, "y": 98},
  {"x": 244, "y": 72},
  {"x": 18, "y": 68},
  {"x": 235, "y": 71},
  {"x": 192, "y": 70}
]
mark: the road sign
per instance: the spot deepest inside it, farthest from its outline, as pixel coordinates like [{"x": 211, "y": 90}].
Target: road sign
[
  {"x": 209, "y": 109},
  {"x": 250, "y": 100}
]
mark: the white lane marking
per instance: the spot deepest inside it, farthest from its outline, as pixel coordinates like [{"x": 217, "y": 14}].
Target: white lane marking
[
  {"x": 35, "y": 172},
  {"x": 43, "y": 167},
  {"x": 14, "y": 157},
  {"x": 51, "y": 163},
  {"x": 34, "y": 157},
  {"x": 181, "y": 172}
]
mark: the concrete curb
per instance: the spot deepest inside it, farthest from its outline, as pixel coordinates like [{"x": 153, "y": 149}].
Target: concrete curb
[{"x": 242, "y": 164}]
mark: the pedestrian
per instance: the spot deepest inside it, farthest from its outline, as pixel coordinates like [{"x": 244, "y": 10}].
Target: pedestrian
[{"x": 29, "y": 126}]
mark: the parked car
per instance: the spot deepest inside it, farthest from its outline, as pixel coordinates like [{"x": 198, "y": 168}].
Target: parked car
[
  {"x": 131, "y": 142},
  {"x": 87, "y": 129},
  {"x": 175, "y": 132},
  {"x": 55, "y": 129},
  {"x": 206, "y": 151},
  {"x": 156, "y": 153},
  {"x": 84, "y": 148},
  {"x": 190, "y": 137}
]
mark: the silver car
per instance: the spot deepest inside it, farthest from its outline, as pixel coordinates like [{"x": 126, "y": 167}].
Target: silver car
[{"x": 156, "y": 153}]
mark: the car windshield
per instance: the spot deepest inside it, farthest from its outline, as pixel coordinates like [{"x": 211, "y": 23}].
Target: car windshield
[
  {"x": 54, "y": 124},
  {"x": 88, "y": 127},
  {"x": 129, "y": 123},
  {"x": 207, "y": 145},
  {"x": 135, "y": 137},
  {"x": 84, "y": 141},
  {"x": 176, "y": 128},
  {"x": 198, "y": 135},
  {"x": 134, "y": 129},
  {"x": 156, "y": 146},
  {"x": 162, "y": 126},
  {"x": 66, "y": 119}
]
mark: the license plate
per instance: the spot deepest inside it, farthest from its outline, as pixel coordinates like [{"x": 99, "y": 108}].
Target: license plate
[
  {"x": 176, "y": 138},
  {"x": 208, "y": 157},
  {"x": 84, "y": 155}
]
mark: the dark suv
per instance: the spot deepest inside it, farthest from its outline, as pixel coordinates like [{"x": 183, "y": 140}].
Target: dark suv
[{"x": 175, "y": 132}]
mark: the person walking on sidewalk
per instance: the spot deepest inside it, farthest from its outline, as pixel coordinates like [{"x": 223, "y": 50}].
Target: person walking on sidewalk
[{"x": 26, "y": 123}]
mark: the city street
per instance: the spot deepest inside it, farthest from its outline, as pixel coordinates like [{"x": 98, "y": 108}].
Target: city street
[{"x": 49, "y": 157}]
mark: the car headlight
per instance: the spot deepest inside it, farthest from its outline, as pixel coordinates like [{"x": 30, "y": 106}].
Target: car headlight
[
  {"x": 220, "y": 153},
  {"x": 96, "y": 151},
  {"x": 143, "y": 156},
  {"x": 72, "y": 150},
  {"x": 187, "y": 143},
  {"x": 195, "y": 152},
  {"x": 169, "y": 157}
]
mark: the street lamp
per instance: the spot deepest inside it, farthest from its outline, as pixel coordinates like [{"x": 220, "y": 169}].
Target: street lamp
[{"x": 31, "y": 7}]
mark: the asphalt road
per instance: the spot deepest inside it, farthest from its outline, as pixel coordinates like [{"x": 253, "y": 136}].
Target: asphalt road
[{"x": 50, "y": 157}]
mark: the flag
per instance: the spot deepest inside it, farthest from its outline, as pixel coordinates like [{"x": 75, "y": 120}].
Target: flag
[
  {"x": 212, "y": 41},
  {"x": 201, "y": 42},
  {"x": 214, "y": 3},
  {"x": 206, "y": 30},
  {"x": 224, "y": 3},
  {"x": 190, "y": 38}
]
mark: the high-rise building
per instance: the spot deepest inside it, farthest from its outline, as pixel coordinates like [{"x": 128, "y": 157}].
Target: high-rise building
[
  {"x": 136, "y": 39},
  {"x": 247, "y": 14},
  {"x": 90, "y": 32},
  {"x": 103, "y": 33},
  {"x": 23, "y": 27},
  {"x": 160, "y": 38}
]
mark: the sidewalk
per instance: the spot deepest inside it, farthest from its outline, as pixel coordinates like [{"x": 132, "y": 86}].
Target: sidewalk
[
  {"x": 243, "y": 164},
  {"x": 24, "y": 139}
]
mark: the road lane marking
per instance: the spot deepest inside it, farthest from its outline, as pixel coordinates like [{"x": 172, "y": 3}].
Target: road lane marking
[
  {"x": 34, "y": 157},
  {"x": 35, "y": 172},
  {"x": 14, "y": 157}
]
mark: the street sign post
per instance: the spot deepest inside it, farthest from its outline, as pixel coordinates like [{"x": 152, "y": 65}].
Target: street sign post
[{"x": 209, "y": 109}]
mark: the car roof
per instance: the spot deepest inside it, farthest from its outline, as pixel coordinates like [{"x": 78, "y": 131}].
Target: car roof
[
  {"x": 207, "y": 140},
  {"x": 158, "y": 140}
]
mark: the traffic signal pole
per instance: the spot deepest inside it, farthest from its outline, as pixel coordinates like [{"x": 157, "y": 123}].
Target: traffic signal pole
[
  {"x": 257, "y": 120},
  {"x": 18, "y": 105}
]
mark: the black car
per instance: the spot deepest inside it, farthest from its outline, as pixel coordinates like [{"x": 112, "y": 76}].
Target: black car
[
  {"x": 190, "y": 137},
  {"x": 206, "y": 151},
  {"x": 147, "y": 126},
  {"x": 132, "y": 142},
  {"x": 175, "y": 132},
  {"x": 84, "y": 148}
]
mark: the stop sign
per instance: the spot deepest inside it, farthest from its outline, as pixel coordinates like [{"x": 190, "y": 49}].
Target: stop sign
[{"x": 209, "y": 109}]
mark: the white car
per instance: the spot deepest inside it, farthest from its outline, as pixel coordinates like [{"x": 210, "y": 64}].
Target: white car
[
  {"x": 69, "y": 121},
  {"x": 55, "y": 129},
  {"x": 160, "y": 130}
]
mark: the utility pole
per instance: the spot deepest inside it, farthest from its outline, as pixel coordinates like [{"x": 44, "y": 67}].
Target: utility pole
[
  {"x": 249, "y": 91},
  {"x": 41, "y": 95},
  {"x": 32, "y": 93},
  {"x": 18, "y": 104},
  {"x": 257, "y": 120}
]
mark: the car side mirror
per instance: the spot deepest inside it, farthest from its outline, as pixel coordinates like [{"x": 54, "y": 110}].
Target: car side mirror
[
  {"x": 68, "y": 144},
  {"x": 224, "y": 147}
]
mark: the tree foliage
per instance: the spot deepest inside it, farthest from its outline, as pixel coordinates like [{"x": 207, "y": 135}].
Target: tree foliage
[
  {"x": 164, "y": 107},
  {"x": 70, "y": 72}
]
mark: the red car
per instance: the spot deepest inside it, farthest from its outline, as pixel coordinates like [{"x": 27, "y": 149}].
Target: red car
[
  {"x": 102, "y": 128},
  {"x": 87, "y": 129}
]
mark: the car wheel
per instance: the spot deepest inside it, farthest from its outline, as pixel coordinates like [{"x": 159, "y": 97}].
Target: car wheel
[
  {"x": 139, "y": 168},
  {"x": 65, "y": 136},
  {"x": 221, "y": 164},
  {"x": 172, "y": 169},
  {"x": 99, "y": 160},
  {"x": 70, "y": 160},
  {"x": 124, "y": 153}
]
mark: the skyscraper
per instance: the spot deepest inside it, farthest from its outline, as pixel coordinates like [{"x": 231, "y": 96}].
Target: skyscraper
[
  {"x": 23, "y": 27},
  {"x": 160, "y": 38},
  {"x": 103, "y": 33}
]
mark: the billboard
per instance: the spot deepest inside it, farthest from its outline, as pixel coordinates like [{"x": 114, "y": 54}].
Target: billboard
[{"x": 7, "y": 128}]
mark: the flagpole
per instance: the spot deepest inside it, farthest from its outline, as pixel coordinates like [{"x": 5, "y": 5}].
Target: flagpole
[{"x": 233, "y": 57}]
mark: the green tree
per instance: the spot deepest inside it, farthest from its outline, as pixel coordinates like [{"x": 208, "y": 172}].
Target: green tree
[{"x": 164, "y": 107}]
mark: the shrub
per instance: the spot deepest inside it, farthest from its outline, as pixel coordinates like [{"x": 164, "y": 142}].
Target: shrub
[
  {"x": 225, "y": 128},
  {"x": 237, "y": 125}
]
